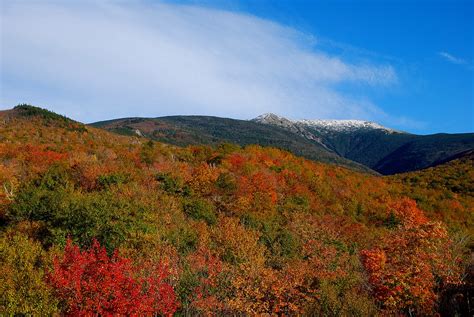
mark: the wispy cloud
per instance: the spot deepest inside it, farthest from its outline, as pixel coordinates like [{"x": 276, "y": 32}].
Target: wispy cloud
[
  {"x": 97, "y": 60},
  {"x": 452, "y": 59}
]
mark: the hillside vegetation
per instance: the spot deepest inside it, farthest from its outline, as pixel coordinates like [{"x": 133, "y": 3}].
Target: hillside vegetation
[
  {"x": 95, "y": 222},
  {"x": 369, "y": 148},
  {"x": 200, "y": 130},
  {"x": 384, "y": 150},
  {"x": 442, "y": 191}
]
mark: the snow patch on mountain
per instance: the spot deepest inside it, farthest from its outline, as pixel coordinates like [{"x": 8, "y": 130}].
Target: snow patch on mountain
[
  {"x": 271, "y": 118},
  {"x": 344, "y": 125},
  {"x": 324, "y": 125}
]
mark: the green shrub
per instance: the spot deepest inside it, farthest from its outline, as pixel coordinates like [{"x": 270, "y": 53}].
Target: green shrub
[
  {"x": 186, "y": 287},
  {"x": 23, "y": 290},
  {"x": 296, "y": 204},
  {"x": 200, "y": 209},
  {"x": 184, "y": 238},
  {"x": 173, "y": 185},
  {"x": 392, "y": 221},
  {"x": 50, "y": 117},
  {"x": 28, "y": 110},
  {"x": 147, "y": 154},
  {"x": 226, "y": 182},
  {"x": 53, "y": 201},
  {"x": 280, "y": 243},
  {"x": 105, "y": 181},
  {"x": 342, "y": 297}
]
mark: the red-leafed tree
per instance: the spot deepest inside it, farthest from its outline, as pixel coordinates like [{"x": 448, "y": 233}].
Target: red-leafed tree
[
  {"x": 90, "y": 282},
  {"x": 413, "y": 263}
]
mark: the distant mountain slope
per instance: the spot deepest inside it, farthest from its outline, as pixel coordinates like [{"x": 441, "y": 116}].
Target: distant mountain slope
[
  {"x": 385, "y": 150},
  {"x": 446, "y": 190},
  {"x": 349, "y": 143},
  {"x": 469, "y": 154},
  {"x": 455, "y": 175},
  {"x": 198, "y": 130},
  {"x": 425, "y": 151}
]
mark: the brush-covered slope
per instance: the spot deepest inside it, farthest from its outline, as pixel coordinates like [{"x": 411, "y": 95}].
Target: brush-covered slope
[
  {"x": 211, "y": 230},
  {"x": 443, "y": 189},
  {"x": 198, "y": 130},
  {"x": 385, "y": 150}
]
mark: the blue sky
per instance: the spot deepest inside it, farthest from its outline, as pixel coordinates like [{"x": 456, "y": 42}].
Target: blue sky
[{"x": 405, "y": 64}]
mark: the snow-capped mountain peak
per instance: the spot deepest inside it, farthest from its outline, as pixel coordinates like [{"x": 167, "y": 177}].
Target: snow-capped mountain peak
[
  {"x": 276, "y": 120},
  {"x": 344, "y": 125},
  {"x": 271, "y": 118},
  {"x": 324, "y": 125}
]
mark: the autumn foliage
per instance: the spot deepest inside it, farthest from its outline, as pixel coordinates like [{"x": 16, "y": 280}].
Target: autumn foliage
[
  {"x": 90, "y": 282},
  {"x": 96, "y": 223},
  {"x": 412, "y": 263}
]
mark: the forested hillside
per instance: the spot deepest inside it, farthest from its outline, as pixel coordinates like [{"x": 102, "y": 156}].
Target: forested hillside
[
  {"x": 382, "y": 149},
  {"x": 442, "y": 189},
  {"x": 205, "y": 130},
  {"x": 95, "y": 222},
  {"x": 359, "y": 145}
]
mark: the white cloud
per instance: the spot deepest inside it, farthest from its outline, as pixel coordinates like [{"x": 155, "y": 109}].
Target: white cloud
[
  {"x": 451, "y": 58},
  {"x": 98, "y": 60}
]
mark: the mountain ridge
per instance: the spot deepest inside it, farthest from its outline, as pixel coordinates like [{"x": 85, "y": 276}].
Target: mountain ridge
[
  {"x": 386, "y": 150},
  {"x": 365, "y": 143},
  {"x": 328, "y": 124},
  {"x": 356, "y": 144},
  {"x": 210, "y": 130}
]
